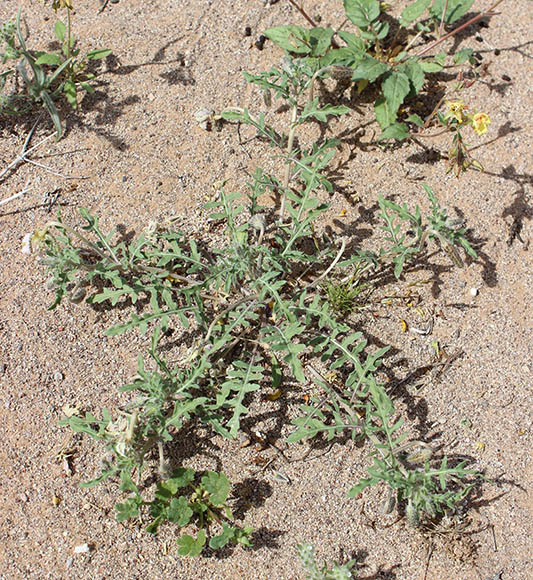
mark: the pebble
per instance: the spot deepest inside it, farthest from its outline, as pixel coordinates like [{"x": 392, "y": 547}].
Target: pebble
[
  {"x": 82, "y": 549},
  {"x": 474, "y": 291},
  {"x": 58, "y": 376},
  {"x": 70, "y": 561}
]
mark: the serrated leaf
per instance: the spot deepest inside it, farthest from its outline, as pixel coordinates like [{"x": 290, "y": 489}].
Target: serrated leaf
[
  {"x": 363, "y": 484},
  {"x": 354, "y": 42},
  {"x": 291, "y": 38},
  {"x": 189, "y": 546},
  {"x": 128, "y": 509},
  {"x": 362, "y": 12},
  {"x": 415, "y": 74},
  {"x": 370, "y": 69},
  {"x": 461, "y": 56},
  {"x": 398, "y": 131},
  {"x": 384, "y": 115},
  {"x": 218, "y": 486},
  {"x": 413, "y": 11},
  {"x": 395, "y": 89},
  {"x": 179, "y": 511}
]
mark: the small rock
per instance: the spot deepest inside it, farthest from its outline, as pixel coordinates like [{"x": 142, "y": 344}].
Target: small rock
[
  {"x": 82, "y": 549},
  {"x": 474, "y": 291},
  {"x": 69, "y": 562},
  {"x": 58, "y": 376}
]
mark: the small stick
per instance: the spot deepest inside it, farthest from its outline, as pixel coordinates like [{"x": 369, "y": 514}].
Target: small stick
[
  {"x": 493, "y": 538},
  {"x": 430, "y": 553},
  {"x": 19, "y": 194}
]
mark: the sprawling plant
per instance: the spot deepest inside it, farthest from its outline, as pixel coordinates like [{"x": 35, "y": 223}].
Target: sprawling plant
[{"x": 258, "y": 307}]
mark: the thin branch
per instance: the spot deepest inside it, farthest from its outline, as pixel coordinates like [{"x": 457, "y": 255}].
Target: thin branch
[
  {"x": 458, "y": 29},
  {"x": 19, "y": 194}
]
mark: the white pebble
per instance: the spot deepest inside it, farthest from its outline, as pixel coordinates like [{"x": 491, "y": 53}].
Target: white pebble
[
  {"x": 474, "y": 291},
  {"x": 82, "y": 549}
]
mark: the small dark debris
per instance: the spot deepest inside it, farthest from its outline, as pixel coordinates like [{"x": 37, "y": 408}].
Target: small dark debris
[
  {"x": 514, "y": 232},
  {"x": 248, "y": 31},
  {"x": 483, "y": 24},
  {"x": 497, "y": 52},
  {"x": 479, "y": 38},
  {"x": 506, "y": 78},
  {"x": 260, "y": 42}
]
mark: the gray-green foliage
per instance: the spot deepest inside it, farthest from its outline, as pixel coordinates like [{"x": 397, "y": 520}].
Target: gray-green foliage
[
  {"x": 255, "y": 313},
  {"x": 313, "y": 571},
  {"x": 45, "y": 75},
  {"x": 372, "y": 54}
]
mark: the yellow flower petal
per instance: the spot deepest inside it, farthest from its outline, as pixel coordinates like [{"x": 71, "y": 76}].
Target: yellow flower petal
[{"x": 480, "y": 122}]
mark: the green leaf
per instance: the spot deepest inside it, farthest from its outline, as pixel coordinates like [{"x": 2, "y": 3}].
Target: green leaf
[
  {"x": 353, "y": 41},
  {"x": 218, "y": 486},
  {"x": 320, "y": 40},
  {"x": 416, "y": 119},
  {"x": 189, "y": 546},
  {"x": 291, "y": 38},
  {"x": 429, "y": 66},
  {"x": 398, "y": 131},
  {"x": 384, "y": 115},
  {"x": 455, "y": 10},
  {"x": 126, "y": 483},
  {"x": 52, "y": 111},
  {"x": 277, "y": 374},
  {"x": 415, "y": 74},
  {"x": 179, "y": 511},
  {"x": 362, "y": 12},
  {"x": 180, "y": 478},
  {"x": 363, "y": 484},
  {"x": 59, "y": 30},
  {"x": 395, "y": 89},
  {"x": 49, "y": 58},
  {"x": 369, "y": 69},
  {"x": 128, "y": 509},
  {"x": 99, "y": 53},
  {"x": 227, "y": 535},
  {"x": 461, "y": 56},
  {"x": 413, "y": 11},
  {"x": 71, "y": 93}
]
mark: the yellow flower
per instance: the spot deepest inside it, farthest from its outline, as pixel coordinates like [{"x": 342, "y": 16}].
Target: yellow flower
[
  {"x": 456, "y": 109},
  {"x": 480, "y": 122}
]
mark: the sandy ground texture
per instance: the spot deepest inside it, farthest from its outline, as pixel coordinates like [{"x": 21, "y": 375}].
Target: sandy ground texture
[{"x": 135, "y": 153}]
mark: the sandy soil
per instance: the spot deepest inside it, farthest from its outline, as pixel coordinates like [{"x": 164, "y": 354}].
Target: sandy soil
[{"x": 143, "y": 156}]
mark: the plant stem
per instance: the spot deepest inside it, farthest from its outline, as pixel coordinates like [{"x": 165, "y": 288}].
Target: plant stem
[
  {"x": 443, "y": 17},
  {"x": 458, "y": 29},
  {"x": 287, "y": 176}
]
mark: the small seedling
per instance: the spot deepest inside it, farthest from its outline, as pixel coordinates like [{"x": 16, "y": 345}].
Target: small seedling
[{"x": 52, "y": 73}]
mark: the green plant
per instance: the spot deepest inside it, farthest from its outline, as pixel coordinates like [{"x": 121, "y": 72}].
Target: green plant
[
  {"x": 255, "y": 315},
  {"x": 306, "y": 552},
  {"x": 52, "y": 73},
  {"x": 376, "y": 56}
]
